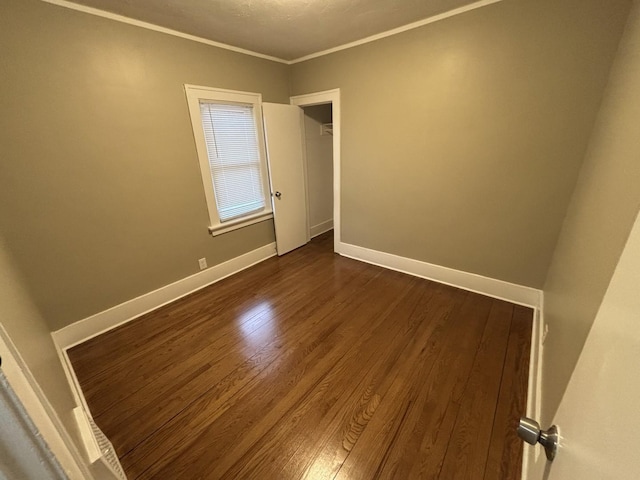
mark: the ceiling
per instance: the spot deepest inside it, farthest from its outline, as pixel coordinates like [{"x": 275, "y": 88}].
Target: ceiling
[{"x": 286, "y": 29}]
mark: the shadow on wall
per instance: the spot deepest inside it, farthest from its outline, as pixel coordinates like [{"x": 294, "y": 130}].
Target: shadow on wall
[
  {"x": 30, "y": 334},
  {"x": 601, "y": 213}
]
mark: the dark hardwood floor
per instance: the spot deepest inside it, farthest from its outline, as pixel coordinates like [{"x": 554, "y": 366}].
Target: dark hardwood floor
[{"x": 314, "y": 366}]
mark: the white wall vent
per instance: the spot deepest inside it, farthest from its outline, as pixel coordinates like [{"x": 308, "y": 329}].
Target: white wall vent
[{"x": 97, "y": 445}]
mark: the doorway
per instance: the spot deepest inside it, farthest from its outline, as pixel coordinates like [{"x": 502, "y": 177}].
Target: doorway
[
  {"x": 322, "y": 164},
  {"x": 318, "y": 144}
]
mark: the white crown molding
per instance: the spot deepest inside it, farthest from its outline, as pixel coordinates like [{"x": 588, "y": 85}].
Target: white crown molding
[
  {"x": 113, "y": 317},
  {"x": 491, "y": 287},
  {"x": 194, "y": 38},
  {"x": 157, "y": 28},
  {"x": 395, "y": 31}
]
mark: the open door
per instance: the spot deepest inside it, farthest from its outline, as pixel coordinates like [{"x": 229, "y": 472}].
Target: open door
[
  {"x": 285, "y": 154},
  {"x": 599, "y": 416}
]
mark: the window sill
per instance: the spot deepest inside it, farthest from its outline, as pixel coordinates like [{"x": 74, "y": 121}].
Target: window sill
[{"x": 239, "y": 223}]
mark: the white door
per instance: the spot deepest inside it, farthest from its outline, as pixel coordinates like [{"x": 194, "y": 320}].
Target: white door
[
  {"x": 285, "y": 154},
  {"x": 599, "y": 416}
]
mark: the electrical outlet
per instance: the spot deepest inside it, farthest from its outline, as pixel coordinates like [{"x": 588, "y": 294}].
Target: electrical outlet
[
  {"x": 203, "y": 263},
  {"x": 545, "y": 332}
]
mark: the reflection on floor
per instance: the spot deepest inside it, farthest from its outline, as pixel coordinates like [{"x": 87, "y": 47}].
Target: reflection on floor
[{"x": 314, "y": 366}]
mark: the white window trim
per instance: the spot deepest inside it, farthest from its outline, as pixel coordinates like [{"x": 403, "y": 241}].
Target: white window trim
[{"x": 194, "y": 95}]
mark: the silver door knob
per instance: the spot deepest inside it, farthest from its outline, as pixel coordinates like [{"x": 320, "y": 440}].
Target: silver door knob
[
  {"x": 529, "y": 431},
  {"x": 277, "y": 194}
]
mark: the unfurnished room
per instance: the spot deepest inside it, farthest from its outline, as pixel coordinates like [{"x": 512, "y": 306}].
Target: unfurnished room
[{"x": 304, "y": 239}]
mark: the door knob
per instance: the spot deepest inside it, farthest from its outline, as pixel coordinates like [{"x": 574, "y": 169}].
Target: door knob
[
  {"x": 529, "y": 431},
  {"x": 277, "y": 194}
]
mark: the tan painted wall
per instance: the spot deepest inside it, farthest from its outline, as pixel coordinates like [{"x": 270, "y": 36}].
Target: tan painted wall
[
  {"x": 319, "y": 153},
  {"x": 600, "y": 216},
  {"x": 30, "y": 334},
  {"x": 101, "y": 197},
  {"x": 462, "y": 139}
]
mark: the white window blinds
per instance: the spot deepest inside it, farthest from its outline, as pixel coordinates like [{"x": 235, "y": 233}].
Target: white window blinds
[{"x": 234, "y": 159}]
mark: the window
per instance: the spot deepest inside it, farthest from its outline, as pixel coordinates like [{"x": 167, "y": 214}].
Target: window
[{"x": 230, "y": 144}]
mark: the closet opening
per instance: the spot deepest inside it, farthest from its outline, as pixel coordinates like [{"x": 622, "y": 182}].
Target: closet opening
[{"x": 318, "y": 141}]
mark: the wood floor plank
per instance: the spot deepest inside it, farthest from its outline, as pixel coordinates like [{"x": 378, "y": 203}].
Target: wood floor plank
[
  {"x": 467, "y": 450},
  {"x": 258, "y": 459},
  {"x": 113, "y": 347},
  {"x": 328, "y": 452},
  {"x": 314, "y": 366},
  {"x": 403, "y": 455},
  {"x": 147, "y": 416},
  {"x": 335, "y": 394},
  {"x": 450, "y": 370},
  {"x": 178, "y": 318},
  {"x": 504, "y": 461},
  {"x": 439, "y": 402},
  {"x": 229, "y": 327},
  {"x": 278, "y": 386},
  {"x": 220, "y": 338}
]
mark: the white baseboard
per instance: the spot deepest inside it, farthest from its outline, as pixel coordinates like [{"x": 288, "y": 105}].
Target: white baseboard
[
  {"x": 101, "y": 322},
  {"x": 113, "y": 317},
  {"x": 490, "y": 287},
  {"x": 94, "y": 325},
  {"x": 321, "y": 228},
  {"x": 535, "y": 364},
  {"x": 532, "y": 459}
]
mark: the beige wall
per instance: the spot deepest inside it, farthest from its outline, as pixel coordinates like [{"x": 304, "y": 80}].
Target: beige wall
[
  {"x": 600, "y": 216},
  {"x": 462, "y": 143},
  {"x": 319, "y": 153},
  {"x": 462, "y": 139},
  {"x": 101, "y": 197},
  {"x": 30, "y": 334}
]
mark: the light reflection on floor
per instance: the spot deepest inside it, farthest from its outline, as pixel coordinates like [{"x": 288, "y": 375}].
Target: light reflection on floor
[
  {"x": 258, "y": 325},
  {"x": 320, "y": 469}
]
